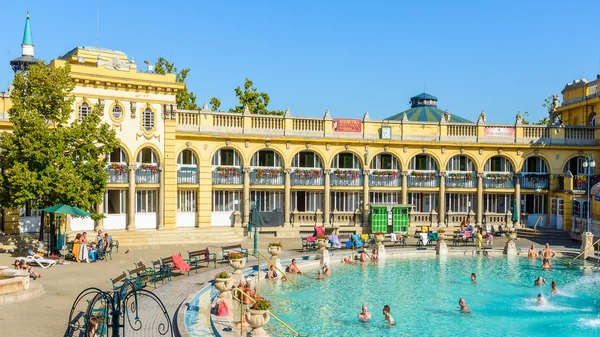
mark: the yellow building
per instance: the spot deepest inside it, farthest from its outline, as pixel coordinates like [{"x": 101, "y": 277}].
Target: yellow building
[{"x": 205, "y": 169}]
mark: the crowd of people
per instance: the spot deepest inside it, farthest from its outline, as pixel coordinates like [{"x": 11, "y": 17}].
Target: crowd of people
[{"x": 86, "y": 250}]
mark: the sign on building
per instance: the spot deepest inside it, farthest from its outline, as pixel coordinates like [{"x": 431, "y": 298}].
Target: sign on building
[
  {"x": 499, "y": 132},
  {"x": 347, "y": 125}
]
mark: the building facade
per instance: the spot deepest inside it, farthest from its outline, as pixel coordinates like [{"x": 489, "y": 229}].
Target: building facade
[{"x": 206, "y": 169}]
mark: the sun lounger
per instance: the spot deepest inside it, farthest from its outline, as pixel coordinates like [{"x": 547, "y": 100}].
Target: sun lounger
[
  {"x": 42, "y": 262},
  {"x": 335, "y": 241},
  {"x": 357, "y": 241}
]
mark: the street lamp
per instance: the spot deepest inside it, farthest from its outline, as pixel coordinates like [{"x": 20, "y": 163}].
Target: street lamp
[{"x": 588, "y": 167}]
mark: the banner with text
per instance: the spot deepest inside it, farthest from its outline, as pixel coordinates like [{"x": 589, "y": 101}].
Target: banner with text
[
  {"x": 347, "y": 125},
  {"x": 499, "y": 132}
]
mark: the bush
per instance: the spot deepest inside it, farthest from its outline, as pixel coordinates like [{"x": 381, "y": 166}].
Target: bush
[
  {"x": 261, "y": 304},
  {"x": 235, "y": 256},
  {"x": 275, "y": 244},
  {"x": 222, "y": 275}
]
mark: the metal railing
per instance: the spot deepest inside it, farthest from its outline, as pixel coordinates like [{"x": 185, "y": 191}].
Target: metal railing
[
  {"x": 585, "y": 251},
  {"x": 187, "y": 176},
  {"x": 147, "y": 176},
  {"x": 461, "y": 180},
  {"x": 307, "y": 177},
  {"x": 498, "y": 180},
  {"x": 241, "y": 300},
  {"x": 227, "y": 175},
  {"x": 346, "y": 177},
  {"x": 535, "y": 180},
  {"x": 420, "y": 178},
  {"x": 267, "y": 176},
  {"x": 118, "y": 175},
  {"x": 387, "y": 178},
  {"x": 540, "y": 218}
]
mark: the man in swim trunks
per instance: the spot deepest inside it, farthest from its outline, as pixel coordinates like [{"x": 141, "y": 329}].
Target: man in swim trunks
[
  {"x": 532, "y": 253},
  {"x": 293, "y": 268},
  {"x": 463, "y": 306},
  {"x": 547, "y": 254},
  {"x": 539, "y": 281},
  {"x": 364, "y": 315}
]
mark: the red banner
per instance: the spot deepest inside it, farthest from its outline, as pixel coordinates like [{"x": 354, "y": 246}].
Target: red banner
[{"x": 347, "y": 125}]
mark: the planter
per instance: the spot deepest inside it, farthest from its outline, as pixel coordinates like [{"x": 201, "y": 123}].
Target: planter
[
  {"x": 442, "y": 236},
  {"x": 274, "y": 251},
  {"x": 237, "y": 265},
  {"x": 322, "y": 243},
  {"x": 379, "y": 238},
  {"x": 223, "y": 285},
  {"x": 511, "y": 236},
  {"x": 258, "y": 319}
]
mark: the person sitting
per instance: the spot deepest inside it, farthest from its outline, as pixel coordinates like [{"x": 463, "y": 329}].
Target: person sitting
[
  {"x": 272, "y": 274},
  {"x": 293, "y": 268},
  {"x": 363, "y": 257},
  {"x": 388, "y": 316},
  {"x": 463, "y": 306},
  {"x": 93, "y": 327},
  {"x": 539, "y": 281},
  {"x": 541, "y": 300},
  {"x": 99, "y": 238},
  {"x": 374, "y": 256},
  {"x": 532, "y": 253},
  {"x": 347, "y": 260},
  {"x": 326, "y": 270},
  {"x": 364, "y": 315}
]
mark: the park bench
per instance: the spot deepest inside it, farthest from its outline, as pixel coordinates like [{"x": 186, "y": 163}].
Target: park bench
[
  {"x": 226, "y": 250},
  {"x": 114, "y": 243},
  {"x": 203, "y": 255},
  {"x": 141, "y": 275},
  {"x": 119, "y": 279},
  {"x": 161, "y": 271},
  {"x": 308, "y": 245},
  {"x": 168, "y": 264}
]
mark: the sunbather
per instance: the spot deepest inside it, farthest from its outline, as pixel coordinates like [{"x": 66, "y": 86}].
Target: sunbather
[{"x": 293, "y": 268}]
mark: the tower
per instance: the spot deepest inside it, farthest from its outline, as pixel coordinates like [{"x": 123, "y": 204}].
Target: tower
[{"x": 27, "y": 50}]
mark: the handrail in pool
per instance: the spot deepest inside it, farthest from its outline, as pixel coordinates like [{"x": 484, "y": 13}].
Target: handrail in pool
[
  {"x": 535, "y": 226},
  {"x": 254, "y": 301},
  {"x": 271, "y": 263},
  {"x": 585, "y": 250}
]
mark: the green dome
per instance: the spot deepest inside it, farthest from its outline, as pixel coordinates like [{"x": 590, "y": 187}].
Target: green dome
[{"x": 426, "y": 114}]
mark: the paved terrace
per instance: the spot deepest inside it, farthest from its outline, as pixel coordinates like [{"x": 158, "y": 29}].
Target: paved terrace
[{"x": 47, "y": 314}]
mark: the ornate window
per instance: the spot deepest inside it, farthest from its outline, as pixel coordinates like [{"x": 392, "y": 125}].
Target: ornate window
[
  {"x": 117, "y": 112},
  {"x": 148, "y": 120},
  {"x": 84, "y": 111}
]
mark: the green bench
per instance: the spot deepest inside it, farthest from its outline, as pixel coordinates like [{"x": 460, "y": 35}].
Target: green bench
[
  {"x": 226, "y": 250},
  {"x": 141, "y": 275},
  {"x": 203, "y": 255}
]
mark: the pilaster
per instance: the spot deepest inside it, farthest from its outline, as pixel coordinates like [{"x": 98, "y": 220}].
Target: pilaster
[
  {"x": 365, "y": 205},
  {"x": 161, "y": 200},
  {"x": 442, "y": 199},
  {"x": 131, "y": 197},
  {"x": 287, "y": 198},
  {"x": 167, "y": 207},
  {"x": 405, "y": 187},
  {"x": 517, "y": 178},
  {"x": 479, "y": 218},
  {"x": 327, "y": 199},
  {"x": 246, "y": 196},
  {"x": 99, "y": 224}
]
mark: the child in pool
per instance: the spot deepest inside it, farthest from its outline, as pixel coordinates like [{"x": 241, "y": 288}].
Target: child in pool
[{"x": 388, "y": 317}]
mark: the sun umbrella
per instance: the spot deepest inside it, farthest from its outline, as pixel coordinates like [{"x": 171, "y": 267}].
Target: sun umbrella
[
  {"x": 66, "y": 209},
  {"x": 515, "y": 214}
]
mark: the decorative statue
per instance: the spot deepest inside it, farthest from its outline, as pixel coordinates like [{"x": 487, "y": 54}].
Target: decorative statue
[{"x": 555, "y": 117}]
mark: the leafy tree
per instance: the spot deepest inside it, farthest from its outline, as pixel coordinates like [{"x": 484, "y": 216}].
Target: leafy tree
[
  {"x": 47, "y": 159},
  {"x": 215, "y": 104},
  {"x": 185, "y": 99},
  {"x": 256, "y": 101},
  {"x": 543, "y": 121}
]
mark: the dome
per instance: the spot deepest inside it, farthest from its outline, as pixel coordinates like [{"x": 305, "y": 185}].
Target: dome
[{"x": 424, "y": 109}]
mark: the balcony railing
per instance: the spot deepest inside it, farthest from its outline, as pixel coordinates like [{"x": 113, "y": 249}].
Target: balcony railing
[
  {"x": 187, "y": 175},
  {"x": 147, "y": 174},
  {"x": 498, "y": 180},
  {"x": 421, "y": 178},
  {"x": 385, "y": 178},
  {"x": 534, "y": 181},
  {"x": 346, "y": 177},
  {"x": 227, "y": 175},
  {"x": 267, "y": 176},
  {"x": 307, "y": 177},
  {"x": 117, "y": 174},
  {"x": 461, "y": 180}
]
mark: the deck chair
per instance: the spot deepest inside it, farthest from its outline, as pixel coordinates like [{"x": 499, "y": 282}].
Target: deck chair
[
  {"x": 367, "y": 239},
  {"x": 357, "y": 241},
  {"x": 320, "y": 231},
  {"x": 334, "y": 241},
  {"x": 37, "y": 259}
]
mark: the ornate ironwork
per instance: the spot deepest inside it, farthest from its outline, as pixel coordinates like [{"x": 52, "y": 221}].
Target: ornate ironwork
[{"x": 118, "y": 313}]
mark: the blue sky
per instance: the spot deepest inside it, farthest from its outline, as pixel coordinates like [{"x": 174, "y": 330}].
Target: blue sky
[{"x": 345, "y": 56}]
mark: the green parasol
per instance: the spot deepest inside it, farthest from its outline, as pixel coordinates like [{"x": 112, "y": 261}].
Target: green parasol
[
  {"x": 515, "y": 214},
  {"x": 66, "y": 209}
]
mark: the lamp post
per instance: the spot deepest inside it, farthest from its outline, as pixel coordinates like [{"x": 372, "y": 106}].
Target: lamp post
[{"x": 588, "y": 166}]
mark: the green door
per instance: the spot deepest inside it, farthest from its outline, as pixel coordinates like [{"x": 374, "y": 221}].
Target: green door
[
  {"x": 400, "y": 219},
  {"x": 379, "y": 219}
]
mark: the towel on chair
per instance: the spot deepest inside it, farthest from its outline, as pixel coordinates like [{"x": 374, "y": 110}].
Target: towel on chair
[
  {"x": 311, "y": 238},
  {"x": 320, "y": 231},
  {"x": 335, "y": 241},
  {"x": 179, "y": 264},
  {"x": 393, "y": 237}
]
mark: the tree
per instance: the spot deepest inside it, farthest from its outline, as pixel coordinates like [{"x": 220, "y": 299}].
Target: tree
[
  {"x": 185, "y": 99},
  {"x": 256, "y": 101},
  {"x": 544, "y": 121},
  {"x": 46, "y": 159},
  {"x": 215, "y": 103}
]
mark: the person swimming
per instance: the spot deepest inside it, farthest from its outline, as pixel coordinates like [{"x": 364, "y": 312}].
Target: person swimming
[
  {"x": 473, "y": 278},
  {"x": 347, "y": 260},
  {"x": 554, "y": 288},
  {"x": 388, "y": 317},
  {"x": 463, "y": 306},
  {"x": 364, "y": 315},
  {"x": 541, "y": 300},
  {"x": 539, "y": 281}
]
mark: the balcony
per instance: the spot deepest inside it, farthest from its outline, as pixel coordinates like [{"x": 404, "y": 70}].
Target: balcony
[
  {"x": 461, "y": 180},
  {"x": 423, "y": 179},
  {"x": 227, "y": 175},
  {"x": 346, "y": 177},
  {"x": 307, "y": 177},
  {"x": 266, "y": 176},
  {"x": 535, "y": 181},
  {"x": 187, "y": 175},
  {"x": 117, "y": 173},
  {"x": 147, "y": 174},
  {"x": 498, "y": 180},
  {"x": 385, "y": 178}
]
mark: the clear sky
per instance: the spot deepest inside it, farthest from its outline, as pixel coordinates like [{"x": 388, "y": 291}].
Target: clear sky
[{"x": 345, "y": 56}]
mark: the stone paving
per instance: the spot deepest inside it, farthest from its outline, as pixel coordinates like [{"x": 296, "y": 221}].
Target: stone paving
[{"x": 63, "y": 283}]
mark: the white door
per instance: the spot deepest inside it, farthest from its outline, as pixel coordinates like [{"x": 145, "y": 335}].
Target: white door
[{"x": 556, "y": 213}]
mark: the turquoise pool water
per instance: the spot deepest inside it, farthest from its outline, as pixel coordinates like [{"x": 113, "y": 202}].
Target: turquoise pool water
[{"x": 423, "y": 293}]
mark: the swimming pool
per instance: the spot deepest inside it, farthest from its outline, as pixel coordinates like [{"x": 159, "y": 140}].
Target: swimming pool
[{"x": 423, "y": 293}]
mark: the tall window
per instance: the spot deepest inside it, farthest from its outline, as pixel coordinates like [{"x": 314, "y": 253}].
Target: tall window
[
  {"x": 186, "y": 157},
  {"x": 346, "y": 201},
  {"x": 575, "y": 165},
  {"x": 423, "y": 202},
  {"x": 460, "y": 203},
  {"x": 28, "y": 210},
  {"x": 268, "y": 158},
  {"x": 534, "y": 204},
  {"x": 460, "y": 163},
  {"x": 147, "y": 156},
  {"x": 226, "y": 201},
  {"x": 307, "y": 159},
  {"x": 346, "y": 160},
  {"x": 269, "y": 200},
  {"x": 535, "y": 165},
  {"x": 226, "y": 157},
  {"x": 117, "y": 156},
  {"x": 385, "y": 161},
  {"x": 423, "y": 162},
  {"x": 497, "y": 203},
  {"x": 148, "y": 119},
  {"x": 304, "y": 201},
  {"x": 186, "y": 201},
  {"x": 146, "y": 201},
  {"x": 84, "y": 111},
  {"x": 498, "y": 164},
  {"x": 387, "y": 198},
  {"x": 115, "y": 202}
]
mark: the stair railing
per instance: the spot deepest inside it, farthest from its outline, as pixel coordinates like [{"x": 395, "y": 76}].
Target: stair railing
[
  {"x": 540, "y": 218},
  {"x": 597, "y": 243}
]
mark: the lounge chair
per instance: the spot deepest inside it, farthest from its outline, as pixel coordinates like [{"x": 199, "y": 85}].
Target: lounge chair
[
  {"x": 334, "y": 241},
  {"x": 36, "y": 258},
  {"x": 357, "y": 241}
]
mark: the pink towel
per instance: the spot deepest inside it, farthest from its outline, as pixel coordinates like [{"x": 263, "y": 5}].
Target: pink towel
[
  {"x": 179, "y": 264},
  {"x": 320, "y": 230},
  {"x": 311, "y": 238}
]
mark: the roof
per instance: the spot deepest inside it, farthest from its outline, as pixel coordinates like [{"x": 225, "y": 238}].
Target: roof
[
  {"x": 24, "y": 59},
  {"x": 426, "y": 114},
  {"x": 27, "y": 37},
  {"x": 424, "y": 96}
]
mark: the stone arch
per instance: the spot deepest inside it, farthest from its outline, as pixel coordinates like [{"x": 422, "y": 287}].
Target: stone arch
[
  {"x": 278, "y": 152},
  {"x": 394, "y": 155},
  {"x": 153, "y": 147},
  {"x": 243, "y": 161},
  {"x": 511, "y": 160},
  {"x": 360, "y": 157},
  {"x": 321, "y": 157},
  {"x": 430, "y": 155},
  {"x": 466, "y": 154}
]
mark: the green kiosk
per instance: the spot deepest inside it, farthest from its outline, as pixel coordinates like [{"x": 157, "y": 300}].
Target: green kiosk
[{"x": 380, "y": 219}]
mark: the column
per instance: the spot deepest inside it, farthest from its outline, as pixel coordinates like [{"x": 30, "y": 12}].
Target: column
[
  {"x": 442, "y": 199},
  {"x": 99, "y": 224},
  {"x": 198, "y": 203},
  {"x": 131, "y": 197},
  {"x": 161, "y": 198},
  {"x": 327, "y": 201},
  {"x": 405, "y": 187},
  {"x": 246, "y": 196},
  {"x": 365, "y": 205},
  {"x": 479, "y": 220},
  {"x": 287, "y": 196},
  {"x": 518, "y": 196}
]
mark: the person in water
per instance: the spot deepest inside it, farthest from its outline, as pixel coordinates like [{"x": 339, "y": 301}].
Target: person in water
[
  {"x": 463, "y": 306},
  {"x": 347, "y": 260},
  {"x": 473, "y": 278},
  {"x": 320, "y": 275},
  {"x": 364, "y": 315},
  {"x": 293, "y": 268},
  {"x": 388, "y": 317},
  {"x": 363, "y": 257},
  {"x": 546, "y": 264},
  {"x": 539, "y": 281},
  {"x": 554, "y": 288},
  {"x": 547, "y": 254},
  {"x": 374, "y": 256},
  {"x": 541, "y": 300},
  {"x": 326, "y": 270},
  {"x": 532, "y": 253},
  {"x": 272, "y": 274}
]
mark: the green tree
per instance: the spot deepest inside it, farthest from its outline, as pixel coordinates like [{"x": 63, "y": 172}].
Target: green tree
[
  {"x": 47, "y": 159},
  {"x": 215, "y": 104},
  {"x": 256, "y": 101},
  {"x": 185, "y": 99}
]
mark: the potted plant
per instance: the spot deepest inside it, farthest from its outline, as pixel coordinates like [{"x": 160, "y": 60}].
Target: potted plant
[
  {"x": 258, "y": 316},
  {"x": 379, "y": 237},
  {"x": 237, "y": 262},
  {"x": 274, "y": 248},
  {"x": 441, "y": 234},
  {"x": 322, "y": 242},
  {"x": 511, "y": 235},
  {"x": 223, "y": 283}
]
